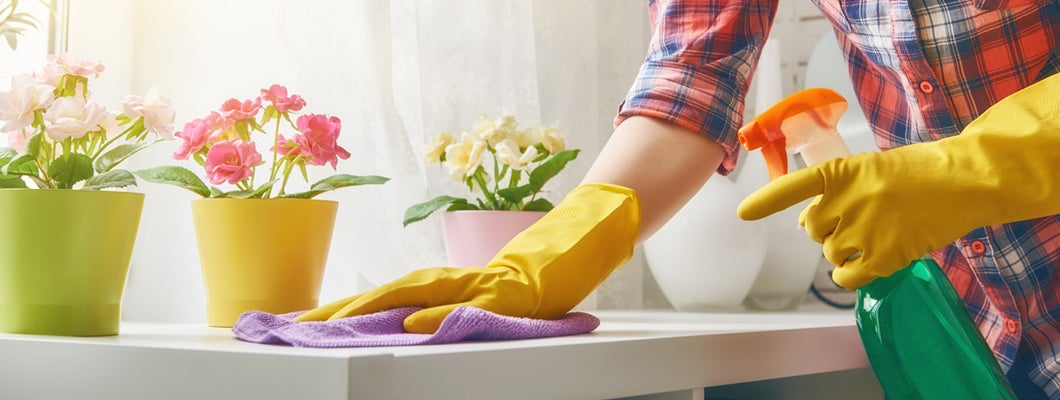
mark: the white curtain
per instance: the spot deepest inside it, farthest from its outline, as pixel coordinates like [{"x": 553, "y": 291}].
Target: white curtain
[{"x": 396, "y": 72}]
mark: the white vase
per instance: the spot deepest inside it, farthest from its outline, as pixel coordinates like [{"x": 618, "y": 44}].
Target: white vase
[
  {"x": 791, "y": 256},
  {"x": 706, "y": 258},
  {"x": 789, "y": 266}
]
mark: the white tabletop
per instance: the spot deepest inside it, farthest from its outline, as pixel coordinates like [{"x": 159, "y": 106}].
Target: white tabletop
[{"x": 631, "y": 353}]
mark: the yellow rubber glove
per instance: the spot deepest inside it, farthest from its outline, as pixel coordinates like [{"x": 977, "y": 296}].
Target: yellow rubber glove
[
  {"x": 541, "y": 273},
  {"x": 893, "y": 207}
]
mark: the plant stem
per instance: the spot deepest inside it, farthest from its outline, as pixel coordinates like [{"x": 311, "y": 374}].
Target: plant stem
[
  {"x": 485, "y": 191},
  {"x": 286, "y": 175},
  {"x": 111, "y": 141},
  {"x": 275, "y": 149}
]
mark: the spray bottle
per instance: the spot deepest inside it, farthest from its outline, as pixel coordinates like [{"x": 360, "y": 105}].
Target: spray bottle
[{"x": 918, "y": 336}]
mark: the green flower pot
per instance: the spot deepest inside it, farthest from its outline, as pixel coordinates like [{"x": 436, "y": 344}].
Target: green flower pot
[{"x": 64, "y": 257}]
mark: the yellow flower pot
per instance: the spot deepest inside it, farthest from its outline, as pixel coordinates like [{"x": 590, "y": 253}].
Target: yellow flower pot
[
  {"x": 262, "y": 254},
  {"x": 64, "y": 258}
]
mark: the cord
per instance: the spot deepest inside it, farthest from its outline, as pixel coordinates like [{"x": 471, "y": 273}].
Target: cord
[{"x": 826, "y": 300}]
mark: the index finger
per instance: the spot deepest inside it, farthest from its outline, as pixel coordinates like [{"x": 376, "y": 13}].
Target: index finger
[{"x": 784, "y": 192}]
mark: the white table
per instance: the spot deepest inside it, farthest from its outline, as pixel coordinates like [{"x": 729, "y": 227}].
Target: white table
[{"x": 631, "y": 354}]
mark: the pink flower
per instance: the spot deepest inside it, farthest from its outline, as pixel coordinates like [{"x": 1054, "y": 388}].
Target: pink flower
[
  {"x": 235, "y": 110},
  {"x": 277, "y": 95},
  {"x": 75, "y": 65},
  {"x": 231, "y": 161},
  {"x": 319, "y": 139},
  {"x": 17, "y": 139},
  {"x": 156, "y": 110},
  {"x": 217, "y": 124},
  {"x": 194, "y": 136},
  {"x": 287, "y": 147}
]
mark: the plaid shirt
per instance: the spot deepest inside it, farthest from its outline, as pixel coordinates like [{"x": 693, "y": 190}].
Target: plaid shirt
[{"x": 923, "y": 69}]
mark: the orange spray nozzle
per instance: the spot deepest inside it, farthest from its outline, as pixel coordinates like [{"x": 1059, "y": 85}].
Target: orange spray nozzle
[{"x": 794, "y": 125}]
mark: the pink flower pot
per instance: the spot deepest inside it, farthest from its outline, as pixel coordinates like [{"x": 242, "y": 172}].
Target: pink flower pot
[{"x": 473, "y": 237}]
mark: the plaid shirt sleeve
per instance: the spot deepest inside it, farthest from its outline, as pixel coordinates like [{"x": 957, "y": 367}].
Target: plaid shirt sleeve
[{"x": 699, "y": 65}]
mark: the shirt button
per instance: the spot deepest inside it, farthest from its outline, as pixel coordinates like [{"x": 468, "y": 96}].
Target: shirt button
[
  {"x": 1011, "y": 326},
  {"x": 926, "y": 87},
  {"x": 978, "y": 247}
]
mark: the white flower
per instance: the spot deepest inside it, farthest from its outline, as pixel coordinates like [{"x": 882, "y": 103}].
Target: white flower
[
  {"x": 17, "y": 140},
  {"x": 156, "y": 110},
  {"x": 508, "y": 153},
  {"x": 26, "y": 96},
  {"x": 71, "y": 117},
  {"x": 464, "y": 157},
  {"x": 551, "y": 138},
  {"x": 437, "y": 149}
]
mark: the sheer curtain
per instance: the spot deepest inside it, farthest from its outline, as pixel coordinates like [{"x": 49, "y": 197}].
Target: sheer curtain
[{"x": 396, "y": 72}]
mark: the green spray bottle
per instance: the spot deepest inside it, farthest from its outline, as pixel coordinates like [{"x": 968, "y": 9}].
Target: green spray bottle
[{"x": 918, "y": 336}]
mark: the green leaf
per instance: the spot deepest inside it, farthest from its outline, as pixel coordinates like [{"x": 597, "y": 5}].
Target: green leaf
[
  {"x": 33, "y": 145},
  {"x": 10, "y": 181},
  {"x": 301, "y": 195},
  {"x": 216, "y": 192},
  {"x": 345, "y": 180},
  {"x": 335, "y": 182},
  {"x": 516, "y": 194},
  {"x": 117, "y": 178},
  {"x": 12, "y": 39},
  {"x": 21, "y": 165},
  {"x": 176, "y": 176},
  {"x": 270, "y": 112},
  {"x": 462, "y": 205},
  {"x": 237, "y": 194},
  {"x": 549, "y": 169},
  {"x": 423, "y": 210},
  {"x": 70, "y": 168},
  {"x": 115, "y": 156},
  {"x": 251, "y": 194},
  {"x": 538, "y": 205},
  {"x": 6, "y": 155},
  {"x": 136, "y": 129}
]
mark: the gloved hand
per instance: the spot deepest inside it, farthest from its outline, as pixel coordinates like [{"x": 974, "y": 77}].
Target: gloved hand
[
  {"x": 541, "y": 273},
  {"x": 893, "y": 207}
]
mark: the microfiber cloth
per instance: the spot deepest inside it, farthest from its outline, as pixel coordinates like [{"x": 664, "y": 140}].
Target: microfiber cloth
[{"x": 386, "y": 328}]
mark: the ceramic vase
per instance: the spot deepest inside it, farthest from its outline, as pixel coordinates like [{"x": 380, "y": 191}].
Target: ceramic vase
[
  {"x": 705, "y": 258},
  {"x": 64, "y": 259},
  {"x": 262, "y": 254},
  {"x": 791, "y": 258},
  {"x": 473, "y": 237}
]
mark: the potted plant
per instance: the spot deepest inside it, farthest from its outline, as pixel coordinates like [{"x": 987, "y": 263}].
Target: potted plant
[
  {"x": 505, "y": 168},
  {"x": 66, "y": 243},
  {"x": 261, "y": 247}
]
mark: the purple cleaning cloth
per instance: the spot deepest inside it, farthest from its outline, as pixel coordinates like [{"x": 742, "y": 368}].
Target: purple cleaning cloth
[{"x": 386, "y": 328}]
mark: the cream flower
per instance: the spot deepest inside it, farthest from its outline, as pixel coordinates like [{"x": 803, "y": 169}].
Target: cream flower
[
  {"x": 551, "y": 138},
  {"x": 26, "y": 96},
  {"x": 524, "y": 138},
  {"x": 464, "y": 157},
  {"x": 71, "y": 117},
  {"x": 437, "y": 149},
  {"x": 157, "y": 112},
  {"x": 495, "y": 130},
  {"x": 508, "y": 153}
]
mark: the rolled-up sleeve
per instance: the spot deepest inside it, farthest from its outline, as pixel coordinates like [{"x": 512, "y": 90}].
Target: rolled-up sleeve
[{"x": 699, "y": 65}]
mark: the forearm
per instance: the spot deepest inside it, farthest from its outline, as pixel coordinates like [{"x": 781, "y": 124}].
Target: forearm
[{"x": 665, "y": 164}]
